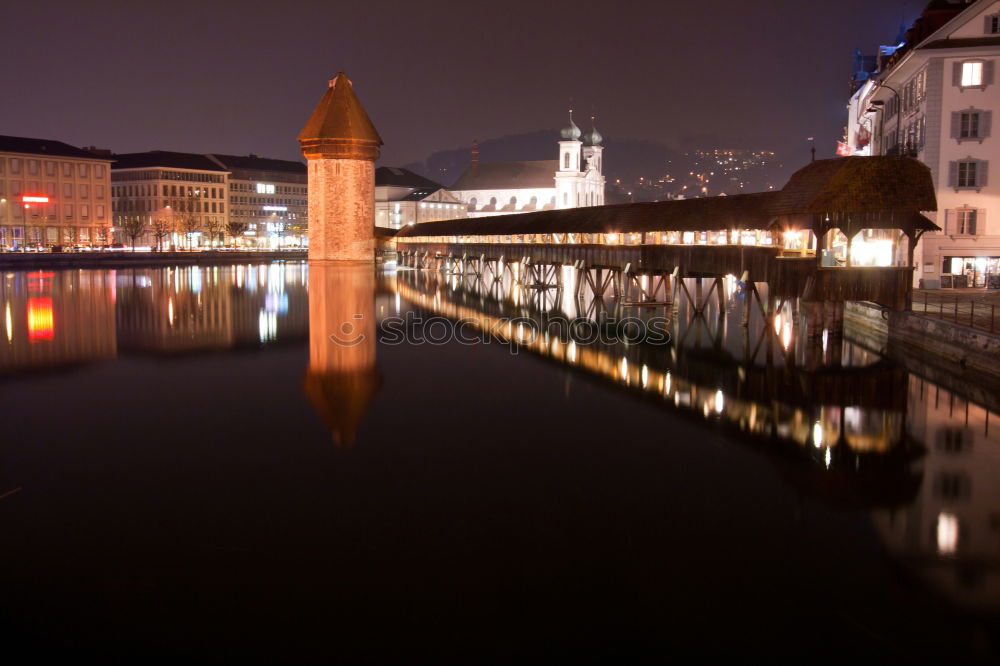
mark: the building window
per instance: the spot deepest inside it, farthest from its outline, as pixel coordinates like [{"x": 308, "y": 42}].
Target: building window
[
  {"x": 15, "y": 166},
  {"x": 965, "y": 221},
  {"x": 565, "y": 160},
  {"x": 969, "y": 173},
  {"x": 67, "y": 170},
  {"x": 33, "y": 167},
  {"x": 84, "y": 191},
  {"x": 992, "y": 26},
  {"x": 84, "y": 169},
  {"x": 972, "y": 73},
  {"x": 67, "y": 190},
  {"x": 50, "y": 169},
  {"x": 98, "y": 171}
]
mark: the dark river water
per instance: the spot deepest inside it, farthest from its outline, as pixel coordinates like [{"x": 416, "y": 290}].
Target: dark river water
[{"x": 282, "y": 463}]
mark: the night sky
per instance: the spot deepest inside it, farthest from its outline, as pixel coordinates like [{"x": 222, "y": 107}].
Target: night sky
[{"x": 242, "y": 77}]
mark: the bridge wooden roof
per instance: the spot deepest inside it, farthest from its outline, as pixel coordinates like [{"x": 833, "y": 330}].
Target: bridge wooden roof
[{"x": 873, "y": 192}]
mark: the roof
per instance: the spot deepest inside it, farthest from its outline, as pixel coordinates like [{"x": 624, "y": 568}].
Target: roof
[
  {"x": 876, "y": 192},
  {"x": 21, "y": 144},
  {"x": 254, "y": 163},
  {"x": 168, "y": 159},
  {"x": 961, "y": 43},
  {"x": 399, "y": 177},
  {"x": 746, "y": 211},
  {"x": 339, "y": 115},
  {"x": 882, "y": 184},
  {"x": 509, "y": 176}
]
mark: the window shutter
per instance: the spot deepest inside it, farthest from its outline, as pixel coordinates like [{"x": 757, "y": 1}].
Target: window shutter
[
  {"x": 985, "y": 124},
  {"x": 953, "y": 174},
  {"x": 980, "y": 221},
  {"x": 988, "y": 24},
  {"x": 956, "y": 73},
  {"x": 956, "y": 119},
  {"x": 949, "y": 221},
  {"x": 988, "y": 73},
  {"x": 981, "y": 172}
]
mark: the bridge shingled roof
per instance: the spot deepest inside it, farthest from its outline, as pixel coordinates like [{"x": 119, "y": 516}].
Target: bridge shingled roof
[{"x": 888, "y": 192}]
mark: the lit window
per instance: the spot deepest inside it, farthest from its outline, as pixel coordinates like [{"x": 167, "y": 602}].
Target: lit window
[
  {"x": 947, "y": 530},
  {"x": 972, "y": 74}
]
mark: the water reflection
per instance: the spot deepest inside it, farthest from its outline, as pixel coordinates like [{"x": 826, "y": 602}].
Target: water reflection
[
  {"x": 57, "y": 318},
  {"x": 837, "y": 421},
  {"x": 342, "y": 376}
]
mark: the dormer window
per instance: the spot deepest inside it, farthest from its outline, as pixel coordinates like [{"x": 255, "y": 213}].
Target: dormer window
[{"x": 992, "y": 24}]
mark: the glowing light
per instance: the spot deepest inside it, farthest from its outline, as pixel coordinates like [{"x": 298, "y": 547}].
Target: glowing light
[
  {"x": 280, "y": 209},
  {"x": 41, "y": 323},
  {"x": 777, "y": 323},
  {"x": 666, "y": 384},
  {"x": 786, "y": 335},
  {"x": 611, "y": 238},
  {"x": 817, "y": 434},
  {"x": 170, "y": 311},
  {"x": 645, "y": 376},
  {"x": 571, "y": 351},
  {"x": 10, "y": 324},
  {"x": 947, "y": 533},
  {"x": 624, "y": 369},
  {"x": 719, "y": 401},
  {"x": 34, "y": 198},
  {"x": 828, "y": 458}
]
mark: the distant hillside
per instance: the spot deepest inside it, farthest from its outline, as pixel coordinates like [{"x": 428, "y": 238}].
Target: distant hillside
[{"x": 625, "y": 160}]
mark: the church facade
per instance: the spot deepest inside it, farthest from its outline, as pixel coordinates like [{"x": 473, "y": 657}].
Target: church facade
[{"x": 573, "y": 180}]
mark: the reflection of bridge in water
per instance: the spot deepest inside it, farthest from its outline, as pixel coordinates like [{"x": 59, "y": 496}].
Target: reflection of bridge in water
[
  {"x": 841, "y": 406},
  {"x": 837, "y": 422}
]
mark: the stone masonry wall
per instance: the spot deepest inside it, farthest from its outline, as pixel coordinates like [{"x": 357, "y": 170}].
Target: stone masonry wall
[{"x": 341, "y": 210}]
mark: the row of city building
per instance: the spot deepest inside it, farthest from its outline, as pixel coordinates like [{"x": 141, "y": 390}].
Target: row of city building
[
  {"x": 55, "y": 194},
  {"x": 931, "y": 95}
]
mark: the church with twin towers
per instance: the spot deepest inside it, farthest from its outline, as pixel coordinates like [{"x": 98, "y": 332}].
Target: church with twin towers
[{"x": 574, "y": 180}]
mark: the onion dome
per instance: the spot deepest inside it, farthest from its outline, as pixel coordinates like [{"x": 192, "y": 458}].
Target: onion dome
[
  {"x": 593, "y": 137},
  {"x": 571, "y": 132}
]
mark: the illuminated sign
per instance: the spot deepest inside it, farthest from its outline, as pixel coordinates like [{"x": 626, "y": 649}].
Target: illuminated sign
[
  {"x": 277, "y": 208},
  {"x": 29, "y": 198}
]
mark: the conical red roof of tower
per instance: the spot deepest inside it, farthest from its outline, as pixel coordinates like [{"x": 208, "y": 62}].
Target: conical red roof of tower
[{"x": 338, "y": 122}]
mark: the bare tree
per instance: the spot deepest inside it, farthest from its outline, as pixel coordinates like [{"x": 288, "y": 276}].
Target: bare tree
[
  {"x": 235, "y": 229},
  {"x": 129, "y": 220},
  {"x": 162, "y": 227},
  {"x": 187, "y": 219},
  {"x": 214, "y": 227}
]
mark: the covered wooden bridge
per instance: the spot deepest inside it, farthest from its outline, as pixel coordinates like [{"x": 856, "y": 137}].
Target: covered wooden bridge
[{"x": 841, "y": 229}]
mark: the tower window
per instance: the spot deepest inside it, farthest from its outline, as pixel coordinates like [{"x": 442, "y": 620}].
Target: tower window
[{"x": 565, "y": 160}]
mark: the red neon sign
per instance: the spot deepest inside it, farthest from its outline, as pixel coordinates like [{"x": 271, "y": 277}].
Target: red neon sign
[{"x": 34, "y": 198}]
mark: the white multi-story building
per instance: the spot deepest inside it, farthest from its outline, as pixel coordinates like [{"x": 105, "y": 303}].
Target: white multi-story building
[
  {"x": 180, "y": 197},
  {"x": 403, "y": 197},
  {"x": 934, "y": 99},
  {"x": 574, "y": 180},
  {"x": 270, "y": 197},
  {"x": 52, "y": 194}
]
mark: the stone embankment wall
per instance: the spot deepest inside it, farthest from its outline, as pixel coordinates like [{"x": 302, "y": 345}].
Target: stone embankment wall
[{"x": 947, "y": 342}]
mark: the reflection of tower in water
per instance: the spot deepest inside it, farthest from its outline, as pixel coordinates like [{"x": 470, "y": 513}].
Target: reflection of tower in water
[{"x": 342, "y": 376}]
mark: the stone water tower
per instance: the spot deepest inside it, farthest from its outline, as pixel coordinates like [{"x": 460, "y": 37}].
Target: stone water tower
[{"x": 341, "y": 145}]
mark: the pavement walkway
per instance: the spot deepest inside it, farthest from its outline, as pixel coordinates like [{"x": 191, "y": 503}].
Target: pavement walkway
[{"x": 975, "y": 307}]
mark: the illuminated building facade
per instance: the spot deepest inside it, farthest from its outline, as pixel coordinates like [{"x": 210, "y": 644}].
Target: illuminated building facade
[
  {"x": 574, "y": 180},
  {"x": 403, "y": 197},
  {"x": 52, "y": 193},
  {"x": 933, "y": 97},
  {"x": 270, "y": 196},
  {"x": 180, "y": 199}
]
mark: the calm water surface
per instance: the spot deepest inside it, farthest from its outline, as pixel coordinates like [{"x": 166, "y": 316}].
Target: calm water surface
[{"x": 192, "y": 468}]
